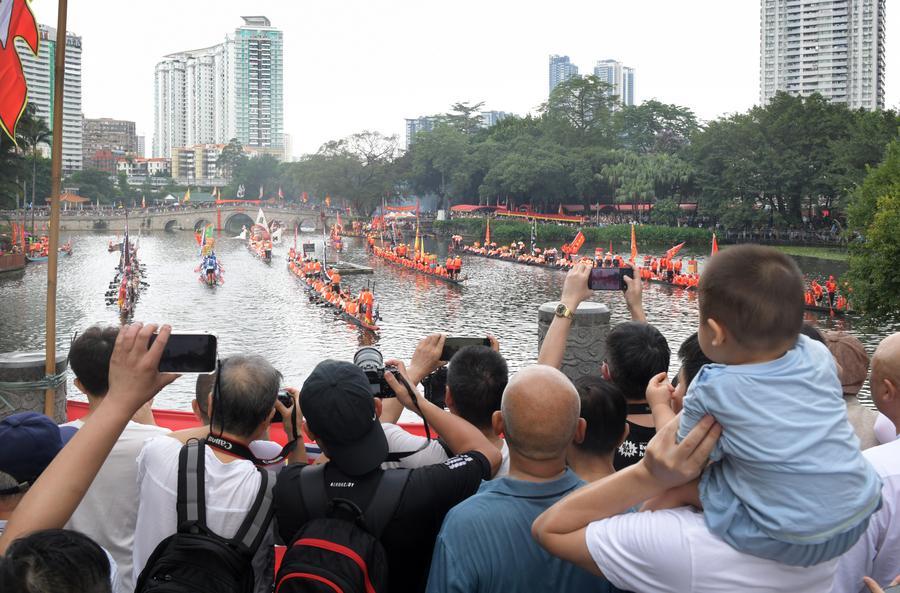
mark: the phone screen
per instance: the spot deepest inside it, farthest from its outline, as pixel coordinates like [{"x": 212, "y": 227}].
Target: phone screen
[
  {"x": 609, "y": 278},
  {"x": 452, "y": 345},
  {"x": 188, "y": 353}
]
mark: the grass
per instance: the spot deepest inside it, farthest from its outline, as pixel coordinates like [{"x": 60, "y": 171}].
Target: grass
[{"x": 829, "y": 253}]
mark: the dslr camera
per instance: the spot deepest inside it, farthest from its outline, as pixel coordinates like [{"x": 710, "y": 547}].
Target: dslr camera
[{"x": 371, "y": 361}]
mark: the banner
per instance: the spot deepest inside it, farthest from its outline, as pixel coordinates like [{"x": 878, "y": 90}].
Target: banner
[
  {"x": 715, "y": 245},
  {"x": 576, "y": 243},
  {"x": 671, "y": 252},
  {"x": 634, "y": 251}
]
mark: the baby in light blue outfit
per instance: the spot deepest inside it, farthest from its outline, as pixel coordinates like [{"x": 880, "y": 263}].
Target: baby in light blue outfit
[{"x": 787, "y": 480}]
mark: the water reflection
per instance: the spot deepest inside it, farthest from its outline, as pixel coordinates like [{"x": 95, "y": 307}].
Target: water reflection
[{"x": 263, "y": 308}]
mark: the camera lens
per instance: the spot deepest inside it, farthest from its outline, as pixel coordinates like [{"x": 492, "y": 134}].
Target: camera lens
[{"x": 369, "y": 359}]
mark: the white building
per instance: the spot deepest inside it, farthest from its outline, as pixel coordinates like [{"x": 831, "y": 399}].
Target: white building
[
  {"x": 230, "y": 90},
  {"x": 833, "y": 47},
  {"x": 39, "y": 76},
  {"x": 619, "y": 77},
  {"x": 561, "y": 70},
  {"x": 418, "y": 124},
  {"x": 491, "y": 118}
]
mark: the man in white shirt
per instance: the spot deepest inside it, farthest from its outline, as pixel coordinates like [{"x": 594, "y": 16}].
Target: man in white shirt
[
  {"x": 877, "y": 553},
  {"x": 476, "y": 378},
  {"x": 108, "y": 512},
  {"x": 662, "y": 551},
  {"x": 240, "y": 409}
]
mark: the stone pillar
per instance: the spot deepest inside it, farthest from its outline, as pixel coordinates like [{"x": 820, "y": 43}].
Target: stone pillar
[
  {"x": 586, "y": 346},
  {"x": 28, "y": 367}
]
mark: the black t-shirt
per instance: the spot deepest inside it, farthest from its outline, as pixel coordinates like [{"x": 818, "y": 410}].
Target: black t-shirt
[
  {"x": 409, "y": 537},
  {"x": 632, "y": 448}
]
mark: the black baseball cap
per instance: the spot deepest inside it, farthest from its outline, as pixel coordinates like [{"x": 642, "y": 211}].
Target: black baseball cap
[{"x": 339, "y": 409}]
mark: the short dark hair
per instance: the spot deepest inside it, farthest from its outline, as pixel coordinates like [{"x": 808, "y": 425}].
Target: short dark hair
[
  {"x": 89, "y": 358},
  {"x": 202, "y": 389},
  {"x": 477, "y": 376},
  {"x": 603, "y": 408},
  {"x": 635, "y": 353},
  {"x": 58, "y": 560},
  {"x": 756, "y": 292},
  {"x": 247, "y": 387},
  {"x": 812, "y": 332},
  {"x": 692, "y": 358}
]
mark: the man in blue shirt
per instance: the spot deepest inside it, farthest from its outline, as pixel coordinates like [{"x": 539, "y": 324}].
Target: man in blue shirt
[{"x": 485, "y": 543}]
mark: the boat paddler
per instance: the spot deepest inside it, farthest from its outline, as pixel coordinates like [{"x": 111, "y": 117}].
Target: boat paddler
[
  {"x": 831, "y": 288},
  {"x": 817, "y": 291},
  {"x": 335, "y": 280}
]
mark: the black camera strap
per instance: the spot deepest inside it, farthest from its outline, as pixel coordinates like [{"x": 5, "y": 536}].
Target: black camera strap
[{"x": 413, "y": 394}]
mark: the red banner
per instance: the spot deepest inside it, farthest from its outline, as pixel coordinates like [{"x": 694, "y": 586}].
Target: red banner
[
  {"x": 576, "y": 243},
  {"x": 401, "y": 208}
]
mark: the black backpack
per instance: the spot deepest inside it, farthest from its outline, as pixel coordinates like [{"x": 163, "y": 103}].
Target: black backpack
[
  {"x": 196, "y": 560},
  {"x": 338, "y": 549}
]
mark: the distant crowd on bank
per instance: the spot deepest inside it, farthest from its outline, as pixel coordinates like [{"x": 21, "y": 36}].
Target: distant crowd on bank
[{"x": 754, "y": 468}]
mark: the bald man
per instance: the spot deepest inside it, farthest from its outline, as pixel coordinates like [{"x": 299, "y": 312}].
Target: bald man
[
  {"x": 485, "y": 543},
  {"x": 877, "y": 553}
]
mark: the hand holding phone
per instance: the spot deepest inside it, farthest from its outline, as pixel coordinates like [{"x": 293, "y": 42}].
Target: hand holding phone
[{"x": 453, "y": 345}]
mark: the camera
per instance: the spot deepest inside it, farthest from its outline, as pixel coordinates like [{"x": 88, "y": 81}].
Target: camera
[
  {"x": 435, "y": 386},
  {"x": 371, "y": 361}
]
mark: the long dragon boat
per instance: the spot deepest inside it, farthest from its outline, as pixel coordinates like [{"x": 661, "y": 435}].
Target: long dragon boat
[
  {"x": 380, "y": 254},
  {"x": 315, "y": 296}
]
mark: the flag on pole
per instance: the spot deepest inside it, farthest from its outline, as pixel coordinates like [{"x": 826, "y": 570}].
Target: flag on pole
[
  {"x": 327, "y": 201},
  {"x": 715, "y": 245},
  {"x": 280, "y": 194},
  {"x": 143, "y": 202},
  {"x": 305, "y": 197},
  {"x": 187, "y": 196},
  {"x": 533, "y": 235},
  {"x": 634, "y": 251},
  {"x": 260, "y": 192},
  {"x": 487, "y": 232},
  {"x": 576, "y": 243},
  {"x": 610, "y": 248},
  {"x": 560, "y": 210},
  {"x": 671, "y": 252},
  {"x": 241, "y": 191},
  {"x": 16, "y": 20},
  {"x": 417, "y": 246}
]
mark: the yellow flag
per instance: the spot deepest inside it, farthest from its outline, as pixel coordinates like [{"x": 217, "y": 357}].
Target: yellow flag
[{"x": 187, "y": 195}]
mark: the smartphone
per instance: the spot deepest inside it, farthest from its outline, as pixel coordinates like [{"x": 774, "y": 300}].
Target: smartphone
[
  {"x": 286, "y": 399},
  {"x": 452, "y": 345},
  {"x": 609, "y": 278},
  {"x": 188, "y": 353}
]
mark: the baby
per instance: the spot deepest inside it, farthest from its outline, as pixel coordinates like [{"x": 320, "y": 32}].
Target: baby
[{"x": 786, "y": 480}]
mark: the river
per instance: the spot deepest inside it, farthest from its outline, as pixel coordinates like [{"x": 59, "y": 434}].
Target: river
[{"x": 263, "y": 309}]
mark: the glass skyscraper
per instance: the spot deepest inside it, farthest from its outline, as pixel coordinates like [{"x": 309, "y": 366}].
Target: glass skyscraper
[
  {"x": 619, "y": 77},
  {"x": 561, "y": 70}
]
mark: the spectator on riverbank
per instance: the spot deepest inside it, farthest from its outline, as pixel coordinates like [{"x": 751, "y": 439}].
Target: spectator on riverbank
[
  {"x": 635, "y": 353},
  {"x": 240, "y": 413},
  {"x": 476, "y": 378},
  {"x": 540, "y": 417},
  {"x": 877, "y": 553},
  {"x": 603, "y": 409},
  {"x": 108, "y": 511},
  {"x": 341, "y": 415}
]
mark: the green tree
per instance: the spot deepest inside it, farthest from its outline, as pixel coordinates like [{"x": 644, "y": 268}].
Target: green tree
[
  {"x": 33, "y": 132},
  {"x": 653, "y": 126},
  {"x": 94, "y": 185},
  {"x": 232, "y": 157},
  {"x": 580, "y": 112}
]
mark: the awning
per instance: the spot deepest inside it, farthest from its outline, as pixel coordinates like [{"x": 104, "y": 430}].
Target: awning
[
  {"x": 573, "y": 207},
  {"x": 73, "y": 199},
  {"x": 471, "y": 208}
]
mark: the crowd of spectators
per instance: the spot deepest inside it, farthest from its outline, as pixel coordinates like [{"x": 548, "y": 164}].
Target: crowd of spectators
[{"x": 753, "y": 469}]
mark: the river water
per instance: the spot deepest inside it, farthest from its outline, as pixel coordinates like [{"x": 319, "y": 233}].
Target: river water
[{"x": 263, "y": 308}]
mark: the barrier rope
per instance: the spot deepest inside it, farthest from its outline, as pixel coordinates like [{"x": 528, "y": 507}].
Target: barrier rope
[{"x": 12, "y": 387}]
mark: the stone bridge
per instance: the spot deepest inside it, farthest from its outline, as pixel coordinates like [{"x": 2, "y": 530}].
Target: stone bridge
[{"x": 229, "y": 217}]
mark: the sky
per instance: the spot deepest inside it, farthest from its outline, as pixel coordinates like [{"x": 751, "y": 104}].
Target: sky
[{"x": 353, "y": 65}]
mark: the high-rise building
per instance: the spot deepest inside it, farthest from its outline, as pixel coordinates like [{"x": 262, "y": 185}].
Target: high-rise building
[
  {"x": 561, "y": 70},
  {"x": 834, "y": 47},
  {"x": 490, "y": 118},
  {"x": 619, "y": 77},
  {"x": 140, "y": 151},
  {"x": 197, "y": 165},
  {"x": 231, "y": 90},
  {"x": 39, "y": 74},
  {"x": 107, "y": 137},
  {"x": 416, "y": 125}
]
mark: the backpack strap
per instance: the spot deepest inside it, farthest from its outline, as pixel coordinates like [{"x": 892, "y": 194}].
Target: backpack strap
[
  {"x": 191, "y": 505},
  {"x": 313, "y": 491},
  {"x": 251, "y": 532},
  {"x": 385, "y": 501}
]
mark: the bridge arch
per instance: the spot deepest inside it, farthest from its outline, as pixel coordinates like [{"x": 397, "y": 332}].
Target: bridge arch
[
  {"x": 235, "y": 221},
  {"x": 171, "y": 226},
  {"x": 201, "y": 224}
]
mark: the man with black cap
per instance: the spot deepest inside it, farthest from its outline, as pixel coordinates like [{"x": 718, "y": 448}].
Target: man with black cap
[
  {"x": 341, "y": 415},
  {"x": 28, "y": 443}
]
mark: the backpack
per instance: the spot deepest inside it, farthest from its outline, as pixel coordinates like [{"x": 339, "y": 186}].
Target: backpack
[
  {"x": 330, "y": 554},
  {"x": 196, "y": 560}
]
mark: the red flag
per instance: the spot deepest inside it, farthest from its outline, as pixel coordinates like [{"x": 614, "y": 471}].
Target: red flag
[
  {"x": 305, "y": 197},
  {"x": 715, "y": 245},
  {"x": 576, "y": 243},
  {"x": 671, "y": 252},
  {"x": 610, "y": 248},
  {"x": 19, "y": 22},
  {"x": 634, "y": 251}
]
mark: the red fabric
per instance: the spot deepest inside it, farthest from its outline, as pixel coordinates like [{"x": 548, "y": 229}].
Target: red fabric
[
  {"x": 577, "y": 242},
  {"x": 671, "y": 252},
  {"x": 14, "y": 90},
  {"x": 715, "y": 245}
]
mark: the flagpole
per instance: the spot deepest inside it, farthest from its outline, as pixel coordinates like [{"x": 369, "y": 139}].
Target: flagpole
[{"x": 55, "y": 173}]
